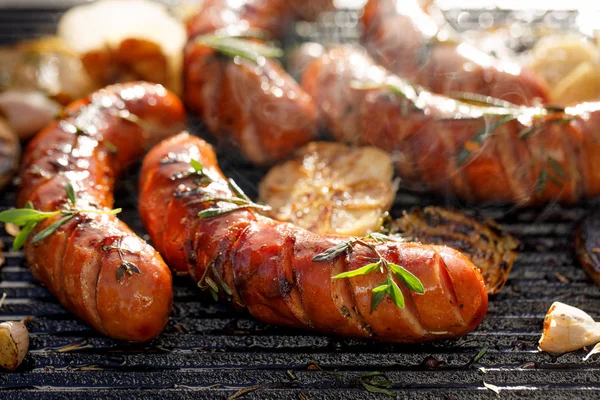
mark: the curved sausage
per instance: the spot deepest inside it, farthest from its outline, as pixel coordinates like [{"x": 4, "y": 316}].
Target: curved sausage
[
  {"x": 267, "y": 266},
  {"x": 448, "y": 147},
  {"x": 400, "y": 35},
  {"x": 83, "y": 262},
  {"x": 255, "y": 105}
]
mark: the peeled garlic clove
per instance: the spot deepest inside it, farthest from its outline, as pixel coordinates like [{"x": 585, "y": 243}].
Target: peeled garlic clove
[
  {"x": 567, "y": 329},
  {"x": 14, "y": 343}
]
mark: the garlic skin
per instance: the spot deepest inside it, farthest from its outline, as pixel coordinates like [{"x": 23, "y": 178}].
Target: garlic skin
[
  {"x": 14, "y": 343},
  {"x": 566, "y": 329}
]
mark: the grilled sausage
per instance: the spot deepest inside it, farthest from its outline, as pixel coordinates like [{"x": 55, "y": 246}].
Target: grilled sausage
[
  {"x": 400, "y": 35},
  {"x": 267, "y": 266},
  {"x": 451, "y": 147},
  {"x": 255, "y": 105},
  {"x": 83, "y": 262}
]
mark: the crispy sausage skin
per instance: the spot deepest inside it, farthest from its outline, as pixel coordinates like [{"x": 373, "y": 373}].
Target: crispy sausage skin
[
  {"x": 400, "y": 35},
  {"x": 448, "y": 147},
  {"x": 79, "y": 262},
  {"x": 255, "y": 105},
  {"x": 268, "y": 265}
]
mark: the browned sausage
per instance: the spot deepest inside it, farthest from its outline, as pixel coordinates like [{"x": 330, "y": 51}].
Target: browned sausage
[
  {"x": 268, "y": 267},
  {"x": 400, "y": 35},
  {"x": 84, "y": 263},
  {"x": 254, "y": 104},
  {"x": 447, "y": 146}
]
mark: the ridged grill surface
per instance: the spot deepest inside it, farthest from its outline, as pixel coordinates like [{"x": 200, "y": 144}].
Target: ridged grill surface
[{"x": 209, "y": 351}]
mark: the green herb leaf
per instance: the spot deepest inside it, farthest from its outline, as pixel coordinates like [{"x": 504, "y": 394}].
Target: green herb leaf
[
  {"x": 212, "y": 284},
  {"x": 237, "y": 190},
  {"x": 396, "y": 293},
  {"x": 70, "y": 193},
  {"x": 380, "y": 237},
  {"x": 20, "y": 239},
  {"x": 198, "y": 167},
  {"x": 375, "y": 389},
  {"x": 480, "y": 355},
  {"x": 555, "y": 165},
  {"x": 377, "y": 297},
  {"x": 235, "y": 47},
  {"x": 360, "y": 271},
  {"x": 411, "y": 281},
  {"x": 50, "y": 229},
  {"x": 333, "y": 252},
  {"x": 482, "y": 100},
  {"x": 112, "y": 149},
  {"x": 23, "y": 216},
  {"x": 541, "y": 181},
  {"x": 528, "y": 131},
  {"x": 462, "y": 157}
]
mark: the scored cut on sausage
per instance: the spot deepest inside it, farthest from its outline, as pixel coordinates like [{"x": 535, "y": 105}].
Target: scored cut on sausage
[
  {"x": 267, "y": 266},
  {"x": 83, "y": 262},
  {"x": 253, "y": 104}
]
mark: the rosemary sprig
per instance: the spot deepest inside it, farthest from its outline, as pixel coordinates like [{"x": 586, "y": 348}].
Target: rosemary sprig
[
  {"x": 551, "y": 171},
  {"x": 28, "y": 218},
  {"x": 387, "y": 287},
  {"x": 239, "y": 47}
]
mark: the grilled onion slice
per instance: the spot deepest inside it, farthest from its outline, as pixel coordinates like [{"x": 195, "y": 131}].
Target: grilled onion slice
[
  {"x": 331, "y": 188},
  {"x": 485, "y": 243}
]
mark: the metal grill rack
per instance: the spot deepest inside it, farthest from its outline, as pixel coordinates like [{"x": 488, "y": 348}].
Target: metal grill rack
[{"x": 209, "y": 351}]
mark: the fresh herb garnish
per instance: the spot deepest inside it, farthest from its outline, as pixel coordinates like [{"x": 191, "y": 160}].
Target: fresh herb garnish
[
  {"x": 207, "y": 283},
  {"x": 551, "y": 171},
  {"x": 238, "y": 47},
  {"x": 377, "y": 382},
  {"x": 28, "y": 218},
  {"x": 126, "y": 267},
  {"x": 242, "y": 201},
  {"x": 389, "y": 286}
]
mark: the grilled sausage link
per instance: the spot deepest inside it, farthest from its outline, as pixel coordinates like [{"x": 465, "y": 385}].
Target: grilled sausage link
[
  {"x": 451, "y": 147},
  {"x": 400, "y": 35},
  {"x": 267, "y": 266},
  {"x": 89, "y": 262},
  {"x": 255, "y": 105}
]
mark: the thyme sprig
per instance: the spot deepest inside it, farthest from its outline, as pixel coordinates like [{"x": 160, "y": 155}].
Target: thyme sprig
[
  {"x": 387, "y": 287},
  {"x": 28, "y": 218},
  {"x": 207, "y": 283},
  {"x": 126, "y": 267},
  {"x": 239, "y": 47},
  {"x": 242, "y": 201}
]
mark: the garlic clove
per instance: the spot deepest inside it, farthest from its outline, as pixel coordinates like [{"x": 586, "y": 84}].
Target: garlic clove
[
  {"x": 566, "y": 329},
  {"x": 14, "y": 343}
]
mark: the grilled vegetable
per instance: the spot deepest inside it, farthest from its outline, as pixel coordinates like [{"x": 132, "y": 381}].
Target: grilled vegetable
[
  {"x": 567, "y": 329},
  {"x": 243, "y": 95},
  {"x": 587, "y": 245},
  {"x": 569, "y": 64},
  {"x": 92, "y": 262},
  {"x": 123, "y": 41},
  {"x": 362, "y": 287},
  {"x": 491, "y": 249},
  {"x": 493, "y": 151},
  {"x": 14, "y": 343},
  {"x": 331, "y": 188},
  {"x": 10, "y": 152},
  {"x": 400, "y": 35},
  {"x": 37, "y": 77}
]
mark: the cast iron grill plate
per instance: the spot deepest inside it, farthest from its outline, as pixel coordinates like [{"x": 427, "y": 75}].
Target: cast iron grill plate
[{"x": 209, "y": 351}]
